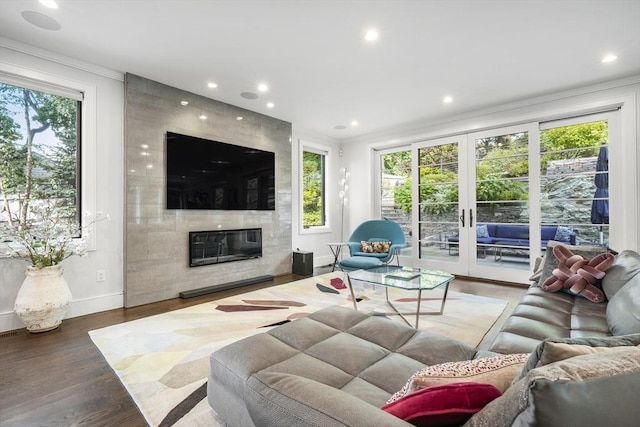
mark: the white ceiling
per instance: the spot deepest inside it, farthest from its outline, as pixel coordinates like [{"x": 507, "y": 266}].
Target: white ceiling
[{"x": 320, "y": 70}]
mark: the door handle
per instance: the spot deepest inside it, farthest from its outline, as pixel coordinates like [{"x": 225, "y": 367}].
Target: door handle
[
  {"x": 470, "y": 217},
  {"x": 462, "y": 218}
]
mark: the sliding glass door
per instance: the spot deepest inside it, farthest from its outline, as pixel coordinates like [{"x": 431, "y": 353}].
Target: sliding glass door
[
  {"x": 501, "y": 203},
  {"x": 441, "y": 177},
  {"x": 394, "y": 183}
]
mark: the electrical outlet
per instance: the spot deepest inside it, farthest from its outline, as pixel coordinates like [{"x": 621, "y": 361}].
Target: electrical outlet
[{"x": 101, "y": 276}]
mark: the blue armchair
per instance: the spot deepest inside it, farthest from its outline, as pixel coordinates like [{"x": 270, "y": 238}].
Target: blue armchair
[{"x": 375, "y": 230}]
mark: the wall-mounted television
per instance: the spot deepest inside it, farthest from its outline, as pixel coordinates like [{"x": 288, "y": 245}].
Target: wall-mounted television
[{"x": 207, "y": 174}]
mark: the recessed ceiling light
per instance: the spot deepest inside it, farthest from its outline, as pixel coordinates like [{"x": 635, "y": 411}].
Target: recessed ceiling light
[
  {"x": 339, "y": 127},
  {"x": 202, "y": 117},
  {"x": 609, "y": 58},
  {"x": 270, "y": 105},
  {"x": 41, "y": 20},
  {"x": 249, "y": 95},
  {"x": 447, "y": 100},
  {"x": 184, "y": 103},
  {"x": 354, "y": 123},
  {"x": 212, "y": 85},
  {"x": 239, "y": 118},
  {"x": 49, "y": 3},
  {"x": 144, "y": 146},
  {"x": 262, "y": 87},
  {"x": 371, "y": 35},
  {"x": 149, "y": 166}
]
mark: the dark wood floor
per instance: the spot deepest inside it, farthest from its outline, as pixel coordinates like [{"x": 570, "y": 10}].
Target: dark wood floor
[{"x": 59, "y": 378}]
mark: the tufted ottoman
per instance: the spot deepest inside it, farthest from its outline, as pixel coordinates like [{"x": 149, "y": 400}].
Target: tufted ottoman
[{"x": 335, "y": 367}]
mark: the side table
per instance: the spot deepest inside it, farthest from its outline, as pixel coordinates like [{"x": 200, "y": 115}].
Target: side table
[{"x": 336, "y": 249}]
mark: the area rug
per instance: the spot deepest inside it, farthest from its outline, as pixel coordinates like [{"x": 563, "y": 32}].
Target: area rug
[{"x": 163, "y": 360}]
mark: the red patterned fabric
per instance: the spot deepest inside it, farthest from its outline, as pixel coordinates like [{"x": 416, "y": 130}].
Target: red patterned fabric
[{"x": 443, "y": 405}]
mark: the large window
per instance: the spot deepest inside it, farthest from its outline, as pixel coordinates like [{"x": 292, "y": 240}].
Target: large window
[
  {"x": 395, "y": 189},
  {"x": 39, "y": 153},
  {"x": 314, "y": 188},
  {"x": 574, "y": 168}
]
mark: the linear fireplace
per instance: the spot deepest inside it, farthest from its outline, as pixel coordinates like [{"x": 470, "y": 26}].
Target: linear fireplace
[{"x": 214, "y": 247}]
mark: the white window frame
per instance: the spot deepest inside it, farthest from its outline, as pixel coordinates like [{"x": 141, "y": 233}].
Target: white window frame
[
  {"x": 32, "y": 79},
  {"x": 326, "y": 152}
]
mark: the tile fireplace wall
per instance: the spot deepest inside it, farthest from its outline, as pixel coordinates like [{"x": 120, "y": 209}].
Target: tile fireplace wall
[{"x": 157, "y": 251}]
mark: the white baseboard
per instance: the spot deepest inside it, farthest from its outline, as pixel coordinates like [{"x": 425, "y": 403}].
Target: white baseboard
[
  {"x": 9, "y": 321},
  {"x": 322, "y": 261}
]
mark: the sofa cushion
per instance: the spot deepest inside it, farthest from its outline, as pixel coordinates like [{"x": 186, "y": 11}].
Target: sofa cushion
[
  {"x": 563, "y": 234},
  {"x": 556, "y": 349},
  {"x": 548, "y": 232},
  {"x": 594, "y": 389},
  {"x": 498, "y": 371},
  {"x": 623, "y": 310},
  {"x": 443, "y": 405},
  {"x": 482, "y": 231},
  {"x": 511, "y": 231},
  {"x": 279, "y": 399},
  {"x": 540, "y": 315},
  {"x": 335, "y": 367},
  {"x": 626, "y": 265}
]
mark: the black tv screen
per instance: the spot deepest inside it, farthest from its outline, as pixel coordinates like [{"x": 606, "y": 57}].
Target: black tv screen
[{"x": 206, "y": 174}]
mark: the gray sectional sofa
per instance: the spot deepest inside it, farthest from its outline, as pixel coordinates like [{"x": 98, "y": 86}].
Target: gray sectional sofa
[{"x": 338, "y": 367}]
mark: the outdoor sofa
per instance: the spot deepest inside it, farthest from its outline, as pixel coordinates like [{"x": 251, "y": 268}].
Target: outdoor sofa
[
  {"x": 516, "y": 235},
  {"x": 579, "y": 365}
]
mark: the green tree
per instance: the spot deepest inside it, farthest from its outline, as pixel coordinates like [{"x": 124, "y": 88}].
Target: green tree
[
  {"x": 570, "y": 142},
  {"x": 22, "y": 155},
  {"x": 312, "y": 189},
  {"x": 398, "y": 163},
  {"x": 10, "y": 158}
]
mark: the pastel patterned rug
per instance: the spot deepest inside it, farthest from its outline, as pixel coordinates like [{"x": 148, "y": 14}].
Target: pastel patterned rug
[{"x": 163, "y": 360}]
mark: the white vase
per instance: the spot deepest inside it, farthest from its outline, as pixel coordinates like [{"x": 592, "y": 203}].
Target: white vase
[{"x": 43, "y": 298}]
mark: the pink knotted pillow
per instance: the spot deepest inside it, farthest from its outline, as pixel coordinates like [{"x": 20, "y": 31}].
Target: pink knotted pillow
[{"x": 578, "y": 275}]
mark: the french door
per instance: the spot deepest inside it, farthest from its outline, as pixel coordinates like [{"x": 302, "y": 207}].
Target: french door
[{"x": 466, "y": 186}]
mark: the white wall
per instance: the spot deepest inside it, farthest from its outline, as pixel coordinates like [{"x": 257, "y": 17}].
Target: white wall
[
  {"x": 102, "y": 181},
  {"x": 304, "y": 240},
  {"x": 625, "y": 232}
]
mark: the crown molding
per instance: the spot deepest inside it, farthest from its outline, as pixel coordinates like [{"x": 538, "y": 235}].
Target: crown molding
[
  {"x": 36, "y": 52},
  {"x": 408, "y": 131}
]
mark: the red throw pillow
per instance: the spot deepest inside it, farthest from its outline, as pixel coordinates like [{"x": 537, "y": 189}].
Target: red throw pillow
[{"x": 443, "y": 405}]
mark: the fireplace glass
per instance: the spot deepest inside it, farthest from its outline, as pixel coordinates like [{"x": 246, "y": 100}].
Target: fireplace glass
[{"x": 214, "y": 247}]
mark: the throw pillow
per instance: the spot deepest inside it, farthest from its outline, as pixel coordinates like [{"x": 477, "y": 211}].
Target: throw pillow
[
  {"x": 563, "y": 234},
  {"x": 482, "y": 231},
  {"x": 577, "y": 274},
  {"x": 443, "y": 405},
  {"x": 556, "y": 349},
  {"x": 375, "y": 247},
  {"x": 594, "y": 389},
  {"x": 550, "y": 262},
  {"x": 498, "y": 371},
  {"x": 366, "y": 247}
]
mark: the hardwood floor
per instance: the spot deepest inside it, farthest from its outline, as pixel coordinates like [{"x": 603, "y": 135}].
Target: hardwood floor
[{"x": 59, "y": 378}]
